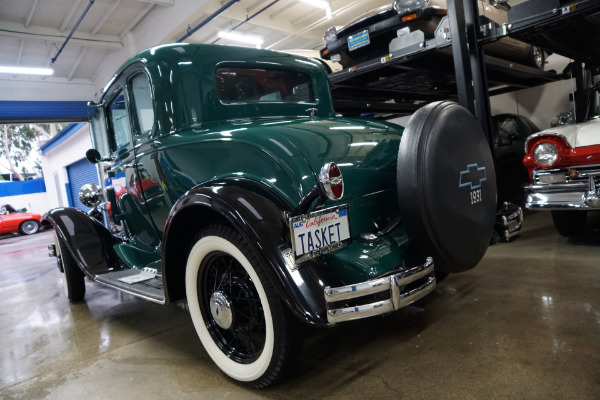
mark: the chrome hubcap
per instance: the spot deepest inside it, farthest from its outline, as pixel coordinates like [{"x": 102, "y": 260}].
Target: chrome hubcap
[{"x": 220, "y": 308}]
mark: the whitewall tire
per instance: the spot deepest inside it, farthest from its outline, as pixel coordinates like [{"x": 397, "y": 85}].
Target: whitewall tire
[{"x": 240, "y": 319}]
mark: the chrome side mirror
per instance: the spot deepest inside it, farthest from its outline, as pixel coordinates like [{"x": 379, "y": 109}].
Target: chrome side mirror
[{"x": 90, "y": 195}]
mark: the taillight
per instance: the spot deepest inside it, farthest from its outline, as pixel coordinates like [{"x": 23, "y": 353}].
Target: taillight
[{"x": 332, "y": 181}]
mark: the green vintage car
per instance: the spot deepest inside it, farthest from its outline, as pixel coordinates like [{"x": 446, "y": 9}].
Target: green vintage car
[{"x": 230, "y": 184}]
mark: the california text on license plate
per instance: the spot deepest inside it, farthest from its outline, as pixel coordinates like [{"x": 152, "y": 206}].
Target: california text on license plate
[{"x": 319, "y": 232}]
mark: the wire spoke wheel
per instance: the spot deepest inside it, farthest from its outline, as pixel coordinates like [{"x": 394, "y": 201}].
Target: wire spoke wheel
[
  {"x": 240, "y": 319},
  {"x": 238, "y": 329}
]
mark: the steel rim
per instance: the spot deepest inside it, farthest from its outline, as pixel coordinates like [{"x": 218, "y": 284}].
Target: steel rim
[
  {"x": 29, "y": 227},
  {"x": 243, "y": 338}
]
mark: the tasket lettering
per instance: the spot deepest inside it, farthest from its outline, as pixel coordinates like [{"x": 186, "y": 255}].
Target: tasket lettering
[
  {"x": 301, "y": 236},
  {"x": 320, "y": 237},
  {"x": 323, "y": 237},
  {"x": 309, "y": 245}
]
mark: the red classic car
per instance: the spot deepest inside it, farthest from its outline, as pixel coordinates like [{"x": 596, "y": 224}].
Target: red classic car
[
  {"x": 564, "y": 166},
  {"x": 24, "y": 222}
]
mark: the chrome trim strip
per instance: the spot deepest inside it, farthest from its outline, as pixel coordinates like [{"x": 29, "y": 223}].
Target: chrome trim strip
[
  {"x": 556, "y": 187},
  {"x": 390, "y": 283}
]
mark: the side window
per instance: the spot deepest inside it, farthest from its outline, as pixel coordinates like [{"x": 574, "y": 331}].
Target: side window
[
  {"x": 142, "y": 100},
  {"x": 118, "y": 120}
]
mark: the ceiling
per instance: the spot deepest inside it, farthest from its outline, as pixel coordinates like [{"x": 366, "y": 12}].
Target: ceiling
[{"x": 33, "y": 31}]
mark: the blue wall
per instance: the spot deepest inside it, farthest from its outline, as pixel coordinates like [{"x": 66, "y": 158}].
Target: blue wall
[{"x": 22, "y": 187}]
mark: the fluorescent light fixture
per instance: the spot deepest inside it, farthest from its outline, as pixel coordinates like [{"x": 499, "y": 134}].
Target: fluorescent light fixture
[
  {"x": 26, "y": 71},
  {"x": 317, "y": 3},
  {"x": 320, "y": 4},
  {"x": 236, "y": 37}
]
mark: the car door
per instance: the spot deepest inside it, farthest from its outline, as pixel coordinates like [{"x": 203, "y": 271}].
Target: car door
[{"x": 141, "y": 237}]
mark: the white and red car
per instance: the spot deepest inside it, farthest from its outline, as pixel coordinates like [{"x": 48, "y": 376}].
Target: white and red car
[{"x": 564, "y": 167}]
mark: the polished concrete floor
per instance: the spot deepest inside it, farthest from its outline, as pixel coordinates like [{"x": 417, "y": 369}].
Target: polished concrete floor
[{"x": 524, "y": 324}]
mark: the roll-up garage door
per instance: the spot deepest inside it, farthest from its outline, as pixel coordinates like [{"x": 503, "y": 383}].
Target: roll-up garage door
[{"x": 80, "y": 173}]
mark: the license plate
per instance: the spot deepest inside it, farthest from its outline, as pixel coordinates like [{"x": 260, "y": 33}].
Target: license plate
[
  {"x": 319, "y": 232},
  {"x": 359, "y": 40}
]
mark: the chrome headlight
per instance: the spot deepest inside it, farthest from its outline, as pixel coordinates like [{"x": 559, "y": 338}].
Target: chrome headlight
[
  {"x": 330, "y": 36},
  {"x": 90, "y": 195},
  {"x": 545, "y": 154},
  {"x": 402, "y": 6}
]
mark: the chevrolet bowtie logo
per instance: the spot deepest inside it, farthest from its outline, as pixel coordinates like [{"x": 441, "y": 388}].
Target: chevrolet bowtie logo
[{"x": 473, "y": 176}]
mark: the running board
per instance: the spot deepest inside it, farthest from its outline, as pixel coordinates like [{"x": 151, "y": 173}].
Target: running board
[{"x": 150, "y": 289}]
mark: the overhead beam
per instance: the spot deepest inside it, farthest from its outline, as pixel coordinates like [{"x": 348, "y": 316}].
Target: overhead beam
[
  {"x": 105, "y": 17},
  {"x": 143, "y": 12},
  {"x": 17, "y": 30},
  {"x": 30, "y": 16},
  {"x": 264, "y": 21},
  {"x": 76, "y": 63},
  {"x": 65, "y": 22}
]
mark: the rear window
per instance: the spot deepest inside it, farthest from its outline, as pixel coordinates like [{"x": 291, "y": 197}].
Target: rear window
[{"x": 263, "y": 85}]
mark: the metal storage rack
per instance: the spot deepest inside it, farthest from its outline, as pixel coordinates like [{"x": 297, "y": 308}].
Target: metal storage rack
[{"x": 444, "y": 67}]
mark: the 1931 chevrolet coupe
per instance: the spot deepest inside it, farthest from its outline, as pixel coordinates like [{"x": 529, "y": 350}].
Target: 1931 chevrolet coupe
[{"x": 273, "y": 213}]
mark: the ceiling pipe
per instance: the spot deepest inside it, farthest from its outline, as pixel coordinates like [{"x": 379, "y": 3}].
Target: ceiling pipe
[
  {"x": 249, "y": 18},
  {"x": 72, "y": 31},
  {"x": 191, "y": 31}
]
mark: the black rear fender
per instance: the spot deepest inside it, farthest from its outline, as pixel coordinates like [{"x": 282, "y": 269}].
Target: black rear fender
[
  {"x": 263, "y": 224},
  {"x": 88, "y": 241}
]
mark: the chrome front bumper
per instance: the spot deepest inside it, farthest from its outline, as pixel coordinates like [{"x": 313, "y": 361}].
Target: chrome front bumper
[
  {"x": 392, "y": 284},
  {"x": 557, "y": 196},
  {"x": 581, "y": 193}
]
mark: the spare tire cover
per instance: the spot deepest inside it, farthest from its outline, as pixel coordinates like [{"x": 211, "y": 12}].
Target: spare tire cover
[{"x": 447, "y": 186}]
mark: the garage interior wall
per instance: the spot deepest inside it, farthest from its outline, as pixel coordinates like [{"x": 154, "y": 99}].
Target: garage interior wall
[{"x": 540, "y": 104}]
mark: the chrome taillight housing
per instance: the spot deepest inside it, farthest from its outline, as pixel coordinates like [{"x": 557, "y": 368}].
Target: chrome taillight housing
[{"x": 332, "y": 180}]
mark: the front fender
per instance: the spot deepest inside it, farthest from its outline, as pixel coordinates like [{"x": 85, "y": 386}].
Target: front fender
[
  {"x": 261, "y": 220},
  {"x": 88, "y": 241}
]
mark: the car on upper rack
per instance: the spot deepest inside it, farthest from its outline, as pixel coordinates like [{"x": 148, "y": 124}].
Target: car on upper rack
[
  {"x": 411, "y": 22},
  {"x": 13, "y": 220},
  {"x": 273, "y": 212},
  {"x": 564, "y": 166}
]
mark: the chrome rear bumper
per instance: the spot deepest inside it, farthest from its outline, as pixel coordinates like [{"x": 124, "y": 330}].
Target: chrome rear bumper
[
  {"x": 509, "y": 221},
  {"x": 395, "y": 286}
]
